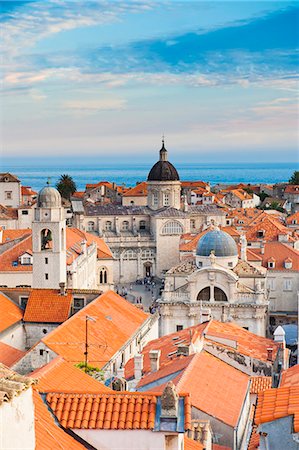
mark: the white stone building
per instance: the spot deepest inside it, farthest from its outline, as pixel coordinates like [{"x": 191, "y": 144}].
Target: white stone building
[
  {"x": 10, "y": 190},
  {"x": 145, "y": 239},
  {"x": 215, "y": 285}
]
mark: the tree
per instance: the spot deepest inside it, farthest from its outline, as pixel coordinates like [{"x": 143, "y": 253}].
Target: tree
[
  {"x": 66, "y": 186},
  {"x": 294, "y": 178}
]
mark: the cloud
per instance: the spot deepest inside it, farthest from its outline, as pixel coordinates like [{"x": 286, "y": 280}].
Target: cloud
[{"x": 94, "y": 106}]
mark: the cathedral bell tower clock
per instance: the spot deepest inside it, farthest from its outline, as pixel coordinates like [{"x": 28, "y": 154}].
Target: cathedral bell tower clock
[{"x": 49, "y": 240}]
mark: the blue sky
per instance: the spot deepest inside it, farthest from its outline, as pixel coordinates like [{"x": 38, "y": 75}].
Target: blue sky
[{"x": 218, "y": 78}]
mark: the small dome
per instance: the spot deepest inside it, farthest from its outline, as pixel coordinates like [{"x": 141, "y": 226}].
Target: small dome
[
  {"x": 217, "y": 241},
  {"x": 48, "y": 197},
  {"x": 163, "y": 170}
]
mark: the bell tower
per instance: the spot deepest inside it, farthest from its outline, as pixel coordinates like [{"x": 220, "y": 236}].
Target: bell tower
[{"x": 49, "y": 240}]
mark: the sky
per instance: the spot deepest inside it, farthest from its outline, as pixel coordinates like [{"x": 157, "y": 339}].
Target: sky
[{"x": 107, "y": 79}]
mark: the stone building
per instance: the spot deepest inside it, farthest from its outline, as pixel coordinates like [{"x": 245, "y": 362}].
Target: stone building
[
  {"x": 215, "y": 284},
  {"x": 145, "y": 239}
]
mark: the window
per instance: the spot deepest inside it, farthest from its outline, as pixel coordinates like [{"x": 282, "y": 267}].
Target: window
[
  {"x": 46, "y": 276},
  {"x": 41, "y": 352},
  {"x": 287, "y": 284},
  {"x": 142, "y": 225},
  {"x": 146, "y": 254},
  {"x": 26, "y": 260},
  {"x": 23, "y": 302},
  {"x": 125, "y": 225},
  {"x": 294, "y": 222},
  {"x": 130, "y": 254},
  {"x": 204, "y": 295},
  {"x": 103, "y": 276},
  {"x": 108, "y": 225},
  {"x": 271, "y": 264},
  {"x": 78, "y": 304},
  {"x": 271, "y": 284},
  {"x": 166, "y": 199},
  {"x": 219, "y": 295},
  {"x": 25, "y": 212},
  {"x": 179, "y": 327},
  {"x": 46, "y": 239},
  {"x": 155, "y": 199},
  {"x": 230, "y": 264},
  {"x": 172, "y": 228},
  {"x": 192, "y": 224},
  {"x": 261, "y": 233},
  {"x": 90, "y": 226},
  {"x": 8, "y": 195},
  {"x": 46, "y": 261}
]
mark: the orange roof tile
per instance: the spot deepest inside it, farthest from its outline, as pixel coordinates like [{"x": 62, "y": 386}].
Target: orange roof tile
[
  {"x": 254, "y": 441},
  {"x": 9, "y": 355},
  {"x": 48, "y": 305},
  {"x": 116, "y": 321},
  {"x": 194, "y": 184},
  {"x": 279, "y": 252},
  {"x": 140, "y": 190},
  {"x": 12, "y": 254},
  {"x": 259, "y": 384},
  {"x": 290, "y": 377},
  {"x": 10, "y": 313},
  {"x": 272, "y": 228},
  {"x": 117, "y": 411},
  {"x": 220, "y": 447},
  {"x": 48, "y": 435},
  {"x": 292, "y": 218},
  {"x": 168, "y": 346},
  {"x": 62, "y": 376},
  {"x": 74, "y": 237},
  {"x": 241, "y": 194},
  {"x": 78, "y": 194},
  {"x": 26, "y": 190},
  {"x": 190, "y": 444},
  {"x": 277, "y": 403},
  {"x": 292, "y": 189},
  {"x": 11, "y": 235}
]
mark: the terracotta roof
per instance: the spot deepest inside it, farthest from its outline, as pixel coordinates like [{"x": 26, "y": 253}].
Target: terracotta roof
[
  {"x": 259, "y": 384},
  {"x": 272, "y": 228},
  {"x": 220, "y": 447},
  {"x": 11, "y": 235},
  {"x": 290, "y": 377},
  {"x": 215, "y": 387},
  {"x": 168, "y": 345},
  {"x": 12, "y": 255},
  {"x": 293, "y": 217},
  {"x": 274, "y": 404},
  {"x": 9, "y": 355},
  {"x": 26, "y": 190},
  {"x": 7, "y": 176},
  {"x": 248, "y": 343},
  {"x": 62, "y": 376},
  {"x": 194, "y": 184},
  {"x": 292, "y": 189},
  {"x": 48, "y": 435},
  {"x": 279, "y": 252},
  {"x": 78, "y": 194},
  {"x": 117, "y": 411},
  {"x": 241, "y": 194},
  {"x": 74, "y": 237},
  {"x": 191, "y": 245},
  {"x": 7, "y": 213},
  {"x": 10, "y": 313},
  {"x": 116, "y": 321},
  {"x": 254, "y": 441},
  {"x": 140, "y": 190},
  {"x": 190, "y": 444},
  {"x": 12, "y": 384},
  {"x": 48, "y": 305}
]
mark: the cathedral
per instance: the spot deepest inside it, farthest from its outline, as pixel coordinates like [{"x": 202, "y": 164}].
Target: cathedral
[
  {"x": 215, "y": 284},
  {"x": 145, "y": 240}
]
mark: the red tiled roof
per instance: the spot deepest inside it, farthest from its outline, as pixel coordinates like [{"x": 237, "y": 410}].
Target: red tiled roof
[
  {"x": 194, "y": 184},
  {"x": 26, "y": 190},
  {"x": 280, "y": 252},
  {"x": 12, "y": 254},
  {"x": 48, "y": 305},
  {"x": 11, "y": 235},
  {"x": 290, "y": 377},
  {"x": 9, "y": 355},
  {"x": 117, "y": 411},
  {"x": 10, "y": 313},
  {"x": 241, "y": 194},
  {"x": 259, "y": 384},
  {"x": 190, "y": 444},
  {"x": 48, "y": 435},
  {"x": 274, "y": 404},
  {"x": 254, "y": 441},
  {"x": 272, "y": 228},
  {"x": 78, "y": 194},
  {"x": 293, "y": 217},
  {"x": 140, "y": 190},
  {"x": 292, "y": 189},
  {"x": 62, "y": 376},
  {"x": 220, "y": 447},
  {"x": 115, "y": 321}
]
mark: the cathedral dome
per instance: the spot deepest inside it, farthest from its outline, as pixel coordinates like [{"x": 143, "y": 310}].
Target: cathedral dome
[
  {"x": 48, "y": 197},
  {"x": 218, "y": 242},
  {"x": 163, "y": 170}
]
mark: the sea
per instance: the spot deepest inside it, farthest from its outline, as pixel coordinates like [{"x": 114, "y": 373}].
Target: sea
[{"x": 37, "y": 172}]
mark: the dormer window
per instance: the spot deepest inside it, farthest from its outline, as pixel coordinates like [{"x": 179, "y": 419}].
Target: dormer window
[
  {"x": 294, "y": 222},
  {"x": 26, "y": 259},
  {"x": 261, "y": 233},
  {"x": 288, "y": 263},
  {"x": 271, "y": 263}
]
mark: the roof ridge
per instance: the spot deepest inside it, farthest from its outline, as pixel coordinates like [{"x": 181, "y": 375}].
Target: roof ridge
[{"x": 22, "y": 240}]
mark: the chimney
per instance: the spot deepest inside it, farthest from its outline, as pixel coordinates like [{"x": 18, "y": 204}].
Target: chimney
[
  {"x": 138, "y": 366},
  {"x": 169, "y": 401},
  {"x": 183, "y": 350},
  {"x": 83, "y": 246},
  {"x": 62, "y": 288},
  {"x": 243, "y": 247},
  {"x": 270, "y": 354},
  {"x": 154, "y": 356},
  {"x": 279, "y": 336}
]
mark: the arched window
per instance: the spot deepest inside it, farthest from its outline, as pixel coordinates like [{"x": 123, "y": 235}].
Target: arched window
[
  {"x": 90, "y": 226},
  {"x": 125, "y": 225},
  {"x": 142, "y": 225},
  {"x": 204, "y": 294},
  {"x": 103, "y": 276},
  {"x": 172, "y": 228},
  {"x": 108, "y": 225},
  {"x": 146, "y": 254},
  {"x": 130, "y": 254},
  {"x": 219, "y": 295},
  {"x": 46, "y": 239}
]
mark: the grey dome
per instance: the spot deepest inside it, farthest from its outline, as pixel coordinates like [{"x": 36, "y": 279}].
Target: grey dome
[
  {"x": 221, "y": 243},
  {"x": 49, "y": 197},
  {"x": 163, "y": 170}
]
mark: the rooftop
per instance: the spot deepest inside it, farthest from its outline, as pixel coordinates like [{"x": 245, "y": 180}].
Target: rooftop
[
  {"x": 10, "y": 313},
  {"x": 48, "y": 305}
]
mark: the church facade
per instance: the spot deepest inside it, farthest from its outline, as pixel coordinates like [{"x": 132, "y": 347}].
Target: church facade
[
  {"x": 215, "y": 284},
  {"x": 144, "y": 240}
]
